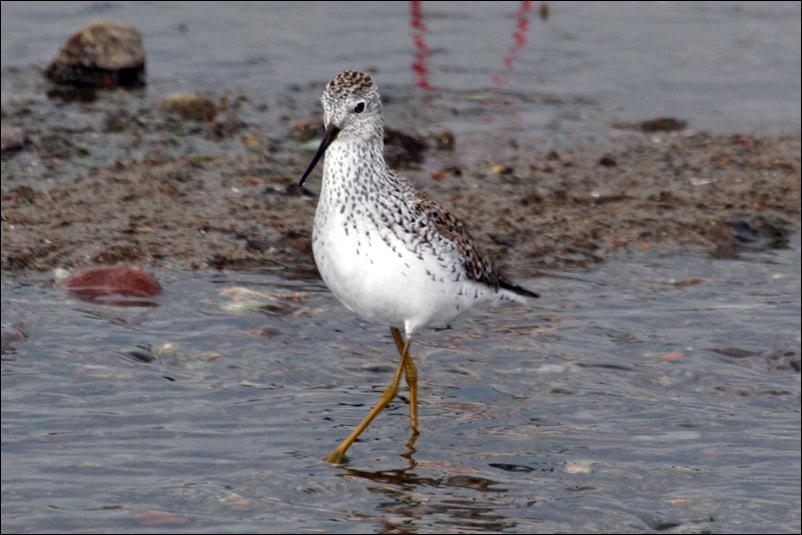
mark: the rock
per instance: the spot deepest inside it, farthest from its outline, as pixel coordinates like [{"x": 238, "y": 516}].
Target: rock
[
  {"x": 143, "y": 356},
  {"x": 12, "y": 138},
  {"x": 663, "y": 124},
  {"x": 450, "y": 170},
  {"x": 753, "y": 232},
  {"x": 544, "y": 11},
  {"x": 402, "y": 149},
  {"x": 607, "y": 161},
  {"x": 189, "y": 106},
  {"x": 103, "y": 54},
  {"x": 257, "y": 245},
  {"x": 444, "y": 140},
  {"x": 98, "y": 281},
  {"x": 758, "y": 232},
  {"x": 501, "y": 169},
  {"x": 658, "y": 124}
]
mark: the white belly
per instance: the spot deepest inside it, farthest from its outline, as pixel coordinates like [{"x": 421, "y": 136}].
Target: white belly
[{"x": 377, "y": 277}]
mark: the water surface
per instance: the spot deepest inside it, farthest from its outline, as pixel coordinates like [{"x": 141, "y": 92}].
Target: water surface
[
  {"x": 719, "y": 65},
  {"x": 645, "y": 395},
  {"x": 652, "y": 393}
]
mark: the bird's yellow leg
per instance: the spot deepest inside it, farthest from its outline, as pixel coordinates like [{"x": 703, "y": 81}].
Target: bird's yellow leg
[
  {"x": 389, "y": 393},
  {"x": 411, "y": 376}
]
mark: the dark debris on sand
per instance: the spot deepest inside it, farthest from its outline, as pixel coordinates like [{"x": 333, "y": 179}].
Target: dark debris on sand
[{"x": 127, "y": 181}]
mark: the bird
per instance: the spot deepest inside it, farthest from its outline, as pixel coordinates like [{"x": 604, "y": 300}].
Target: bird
[{"x": 387, "y": 252}]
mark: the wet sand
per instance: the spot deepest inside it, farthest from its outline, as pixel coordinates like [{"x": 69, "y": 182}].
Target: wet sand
[{"x": 115, "y": 177}]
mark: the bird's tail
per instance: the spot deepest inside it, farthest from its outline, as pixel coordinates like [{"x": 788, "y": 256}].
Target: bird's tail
[{"x": 518, "y": 290}]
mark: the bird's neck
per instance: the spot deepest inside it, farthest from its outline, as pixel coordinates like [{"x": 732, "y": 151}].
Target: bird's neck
[{"x": 351, "y": 161}]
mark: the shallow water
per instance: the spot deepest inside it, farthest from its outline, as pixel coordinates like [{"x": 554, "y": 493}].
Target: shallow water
[
  {"x": 719, "y": 65},
  {"x": 648, "y": 394}
]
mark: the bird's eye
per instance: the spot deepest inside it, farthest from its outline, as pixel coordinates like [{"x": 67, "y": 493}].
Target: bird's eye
[{"x": 359, "y": 107}]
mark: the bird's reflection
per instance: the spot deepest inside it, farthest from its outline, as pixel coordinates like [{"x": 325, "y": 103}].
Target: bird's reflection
[{"x": 409, "y": 508}]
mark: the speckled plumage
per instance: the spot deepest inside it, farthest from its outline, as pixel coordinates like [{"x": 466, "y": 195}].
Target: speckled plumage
[{"x": 388, "y": 253}]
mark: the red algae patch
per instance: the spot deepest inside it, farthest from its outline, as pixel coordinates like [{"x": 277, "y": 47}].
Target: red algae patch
[{"x": 99, "y": 281}]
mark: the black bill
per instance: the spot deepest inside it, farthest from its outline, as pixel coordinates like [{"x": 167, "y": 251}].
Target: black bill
[{"x": 328, "y": 138}]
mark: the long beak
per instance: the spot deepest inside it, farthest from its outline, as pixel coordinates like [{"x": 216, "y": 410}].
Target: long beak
[{"x": 328, "y": 138}]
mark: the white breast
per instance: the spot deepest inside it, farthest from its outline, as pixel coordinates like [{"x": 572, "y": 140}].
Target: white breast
[
  {"x": 384, "y": 275},
  {"x": 376, "y": 276}
]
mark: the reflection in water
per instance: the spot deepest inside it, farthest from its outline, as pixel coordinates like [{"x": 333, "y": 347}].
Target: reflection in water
[
  {"x": 521, "y": 18},
  {"x": 98, "y": 296},
  {"x": 420, "y": 66},
  {"x": 409, "y": 510},
  {"x": 641, "y": 403}
]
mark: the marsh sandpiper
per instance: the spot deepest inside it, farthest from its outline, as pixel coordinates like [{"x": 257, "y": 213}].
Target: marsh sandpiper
[{"x": 386, "y": 252}]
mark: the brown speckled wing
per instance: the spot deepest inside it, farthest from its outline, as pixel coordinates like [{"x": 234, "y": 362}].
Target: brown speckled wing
[{"x": 478, "y": 266}]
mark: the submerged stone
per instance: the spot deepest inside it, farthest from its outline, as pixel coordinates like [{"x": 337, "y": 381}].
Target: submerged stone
[{"x": 101, "y": 281}]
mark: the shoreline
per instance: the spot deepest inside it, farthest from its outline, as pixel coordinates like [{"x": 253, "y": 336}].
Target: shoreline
[{"x": 120, "y": 180}]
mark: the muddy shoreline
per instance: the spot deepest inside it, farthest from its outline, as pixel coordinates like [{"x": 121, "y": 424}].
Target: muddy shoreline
[{"x": 115, "y": 177}]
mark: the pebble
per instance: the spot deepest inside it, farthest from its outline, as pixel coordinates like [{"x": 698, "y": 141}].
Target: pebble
[
  {"x": 12, "y": 138},
  {"x": 189, "y": 106}
]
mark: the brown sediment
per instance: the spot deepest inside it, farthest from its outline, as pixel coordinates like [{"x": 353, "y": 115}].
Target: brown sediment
[{"x": 136, "y": 185}]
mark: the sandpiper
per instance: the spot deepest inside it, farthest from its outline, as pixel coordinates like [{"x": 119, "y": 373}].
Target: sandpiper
[{"x": 386, "y": 252}]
